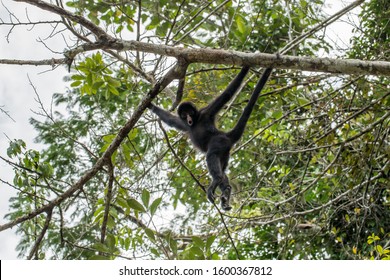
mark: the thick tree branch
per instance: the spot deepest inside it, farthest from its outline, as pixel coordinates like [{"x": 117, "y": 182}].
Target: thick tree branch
[
  {"x": 53, "y": 62},
  {"x": 210, "y": 56}
]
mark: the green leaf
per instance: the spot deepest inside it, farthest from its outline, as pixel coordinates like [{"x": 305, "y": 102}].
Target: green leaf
[
  {"x": 113, "y": 82},
  {"x": 134, "y": 204},
  {"x": 100, "y": 247},
  {"x": 197, "y": 251},
  {"x": 277, "y": 114},
  {"x": 303, "y": 101},
  {"x": 145, "y": 197},
  {"x": 198, "y": 241},
  {"x": 133, "y": 134},
  {"x": 154, "y": 23},
  {"x": 119, "y": 29},
  {"x": 97, "y": 85},
  {"x": 16, "y": 147},
  {"x": 173, "y": 245},
  {"x": 78, "y": 77},
  {"x": 110, "y": 241},
  {"x": 122, "y": 203},
  {"x": 75, "y": 83},
  {"x": 113, "y": 90},
  {"x": 154, "y": 251},
  {"x": 46, "y": 169},
  {"x": 210, "y": 241},
  {"x": 379, "y": 249},
  {"x": 99, "y": 211},
  {"x": 99, "y": 257},
  {"x": 89, "y": 79},
  {"x": 154, "y": 205},
  {"x": 107, "y": 93},
  {"x": 241, "y": 24},
  {"x": 127, "y": 243},
  {"x": 150, "y": 234}
]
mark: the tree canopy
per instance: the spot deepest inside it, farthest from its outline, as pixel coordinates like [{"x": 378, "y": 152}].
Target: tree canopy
[{"x": 310, "y": 177}]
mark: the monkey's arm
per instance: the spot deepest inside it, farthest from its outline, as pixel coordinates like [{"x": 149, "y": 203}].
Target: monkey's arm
[
  {"x": 236, "y": 133},
  {"x": 168, "y": 118},
  {"x": 227, "y": 94}
]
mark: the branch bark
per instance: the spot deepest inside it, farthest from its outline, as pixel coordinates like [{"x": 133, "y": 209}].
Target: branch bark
[{"x": 211, "y": 56}]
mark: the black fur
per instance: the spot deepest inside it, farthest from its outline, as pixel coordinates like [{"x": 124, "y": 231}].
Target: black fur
[{"x": 200, "y": 126}]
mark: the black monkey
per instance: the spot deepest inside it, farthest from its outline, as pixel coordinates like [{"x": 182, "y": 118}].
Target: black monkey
[{"x": 200, "y": 126}]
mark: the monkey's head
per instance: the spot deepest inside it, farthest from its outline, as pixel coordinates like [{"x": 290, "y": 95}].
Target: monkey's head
[{"x": 188, "y": 113}]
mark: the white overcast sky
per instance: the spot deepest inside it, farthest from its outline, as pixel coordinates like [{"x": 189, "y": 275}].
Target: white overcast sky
[{"x": 17, "y": 97}]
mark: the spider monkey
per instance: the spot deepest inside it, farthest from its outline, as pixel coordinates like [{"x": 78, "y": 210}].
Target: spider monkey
[{"x": 200, "y": 126}]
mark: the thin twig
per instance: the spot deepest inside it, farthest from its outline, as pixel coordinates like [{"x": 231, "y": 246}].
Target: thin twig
[
  {"x": 40, "y": 237},
  {"x": 108, "y": 199}
]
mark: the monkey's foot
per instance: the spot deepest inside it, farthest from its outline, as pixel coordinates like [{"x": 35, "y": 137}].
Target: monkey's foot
[
  {"x": 225, "y": 198},
  {"x": 225, "y": 204},
  {"x": 226, "y": 207}
]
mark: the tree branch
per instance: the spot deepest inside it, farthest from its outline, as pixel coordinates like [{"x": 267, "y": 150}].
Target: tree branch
[
  {"x": 108, "y": 199},
  {"x": 210, "y": 56},
  {"x": 40, "y": 237},
  {"x": 99, "y": 32}
]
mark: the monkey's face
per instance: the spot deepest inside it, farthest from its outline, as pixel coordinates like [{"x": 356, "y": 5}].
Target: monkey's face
[
  {"x": 188, "y": 113},
  {"x": 188, "y": 117}
]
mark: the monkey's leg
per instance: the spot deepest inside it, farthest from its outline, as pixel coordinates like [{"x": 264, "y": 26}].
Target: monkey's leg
[
  {"x": 219, "y": 179},
  {"x": 217, "y": 160},
  {"x": 226, "y": 189},
  {"x": 215, "y": 170}
]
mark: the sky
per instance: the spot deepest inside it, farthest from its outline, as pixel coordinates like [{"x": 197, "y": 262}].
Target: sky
[{"x": 18, "y": 98}]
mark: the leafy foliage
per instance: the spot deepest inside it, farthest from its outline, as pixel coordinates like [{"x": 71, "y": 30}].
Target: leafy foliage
[{"x": 310, "y": 176}]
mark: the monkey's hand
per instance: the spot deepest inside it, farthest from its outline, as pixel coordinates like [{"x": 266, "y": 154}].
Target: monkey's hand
[{"x": 151, "y": 106}]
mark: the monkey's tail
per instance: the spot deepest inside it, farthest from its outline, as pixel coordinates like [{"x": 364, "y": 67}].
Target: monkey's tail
[{"x": 236, "y": 133}]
